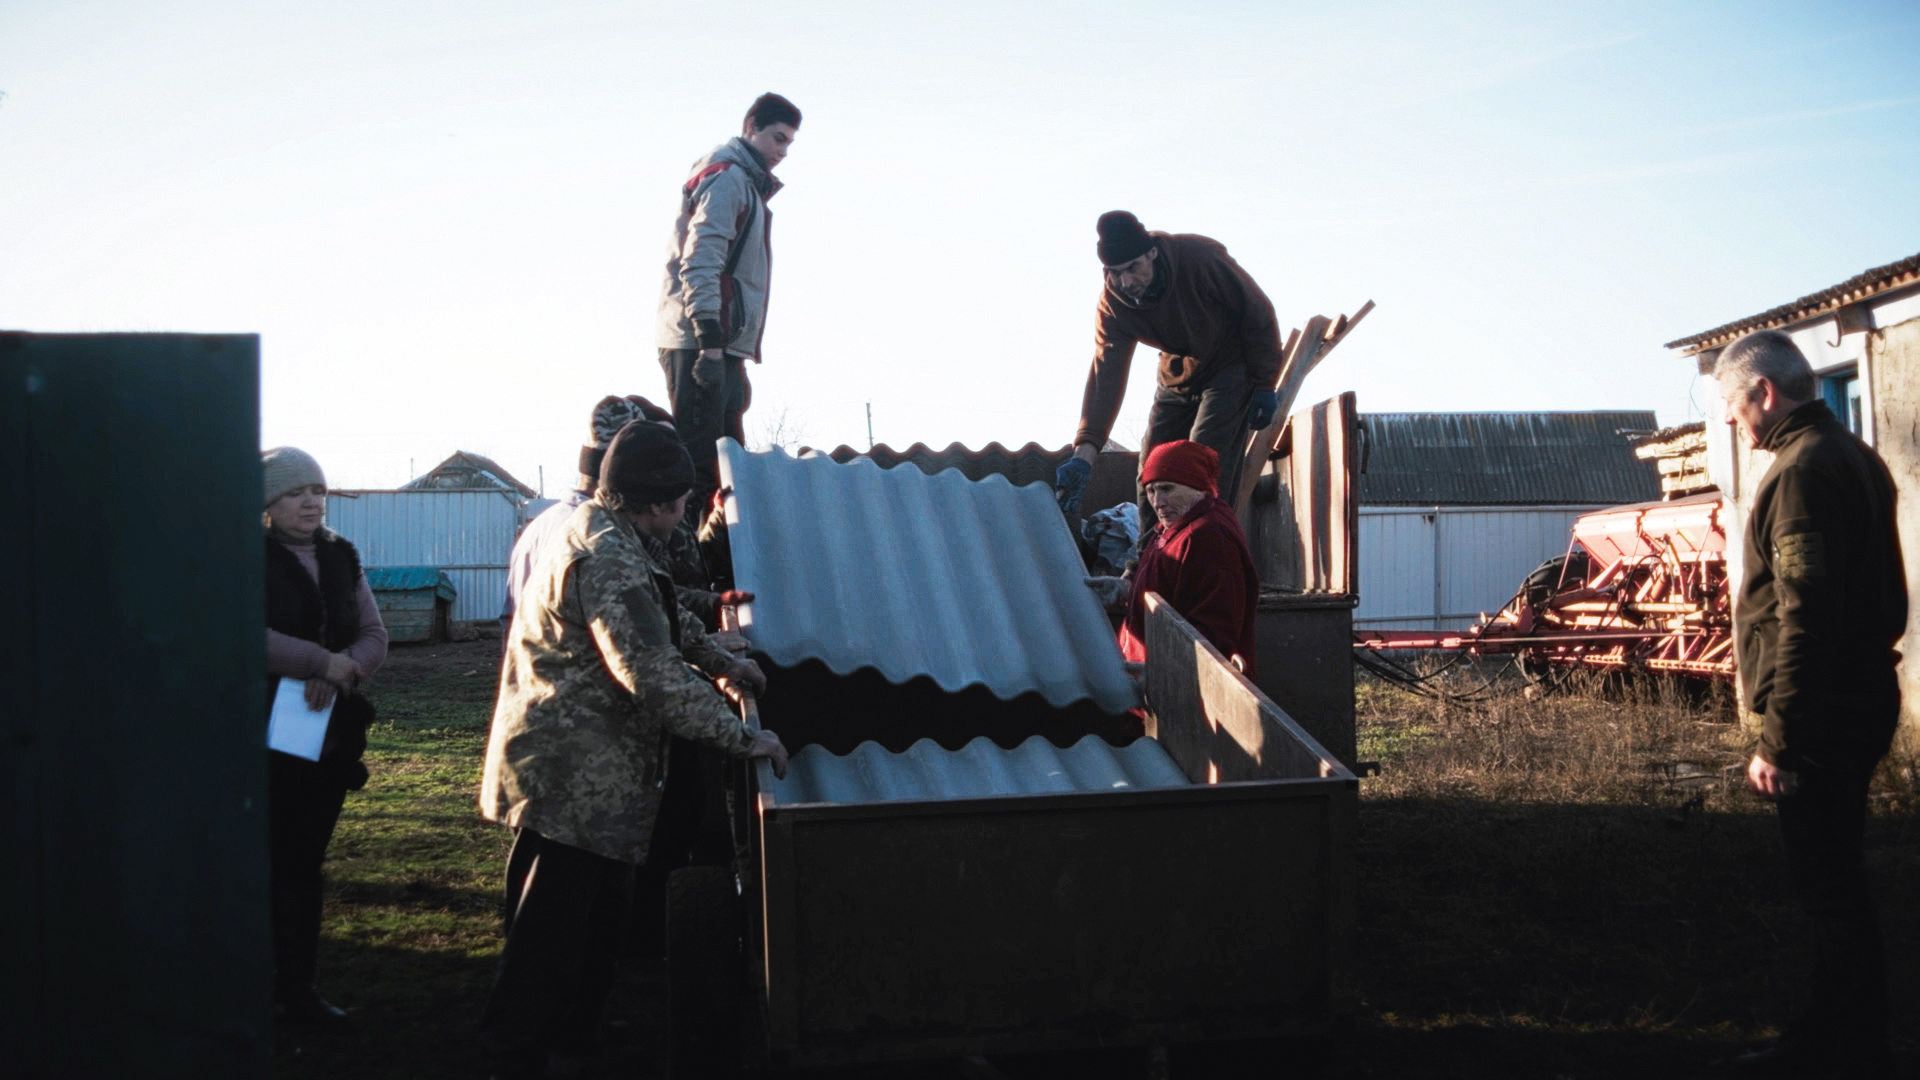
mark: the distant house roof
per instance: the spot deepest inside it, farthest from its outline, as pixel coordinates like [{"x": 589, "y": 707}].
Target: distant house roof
[
  {"x": 1505, "y": 459},
  {"x": 468, "y": 471},
  {"x": 410, "y": 578},
  {"x": 1859, "y": 287}
]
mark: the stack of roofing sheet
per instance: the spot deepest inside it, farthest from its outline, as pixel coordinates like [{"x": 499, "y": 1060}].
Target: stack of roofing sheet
[
  {"x": 1030, "y": 464},
  {"x": 914, "y": 574},
  {"x": 977, "y": 770}
]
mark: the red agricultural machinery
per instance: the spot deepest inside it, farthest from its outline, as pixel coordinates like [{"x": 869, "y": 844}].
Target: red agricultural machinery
[{"x": 1642, "y": 587}]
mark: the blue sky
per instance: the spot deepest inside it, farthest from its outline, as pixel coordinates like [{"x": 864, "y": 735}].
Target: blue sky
[{"x": 447, "y": 220}]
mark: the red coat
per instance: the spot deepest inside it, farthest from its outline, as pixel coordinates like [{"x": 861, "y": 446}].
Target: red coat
[{"x": 1203, "y": 568}]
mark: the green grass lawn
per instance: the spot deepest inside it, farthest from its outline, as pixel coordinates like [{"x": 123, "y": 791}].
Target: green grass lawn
[{"x": 1568, "y": 887}]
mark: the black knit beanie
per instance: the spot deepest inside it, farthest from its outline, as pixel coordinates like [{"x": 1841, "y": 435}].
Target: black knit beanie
[
  {"x": 609, "y": 416},
  {"x": 1122, "y": 238},
  {"x": 646, "y": 464}
]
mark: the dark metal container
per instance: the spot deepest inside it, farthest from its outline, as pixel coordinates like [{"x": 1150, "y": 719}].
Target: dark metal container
[{"x": 1218, "y": 908}]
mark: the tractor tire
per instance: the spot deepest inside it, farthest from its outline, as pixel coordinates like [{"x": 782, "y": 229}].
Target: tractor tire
[{"x": 704, "y": 973}]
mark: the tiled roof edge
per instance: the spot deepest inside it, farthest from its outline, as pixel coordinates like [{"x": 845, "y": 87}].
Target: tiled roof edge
[{"x": 1856, "y": 288}]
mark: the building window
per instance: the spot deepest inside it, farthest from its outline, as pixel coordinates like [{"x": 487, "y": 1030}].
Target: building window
[{"x": 1841, "y": 390}]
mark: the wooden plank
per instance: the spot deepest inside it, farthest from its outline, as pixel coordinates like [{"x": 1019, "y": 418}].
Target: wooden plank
[
  {"x": 1303, "y": 353},
  {"x": 1214, "y": 723}
]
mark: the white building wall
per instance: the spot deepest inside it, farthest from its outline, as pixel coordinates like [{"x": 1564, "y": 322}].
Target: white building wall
[
  {"x": 1439, "y": 568},
  {"x": 469, "y": 534}
]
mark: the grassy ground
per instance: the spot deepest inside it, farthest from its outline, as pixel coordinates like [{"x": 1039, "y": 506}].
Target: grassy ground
[{"x": 1567, "y": 887}]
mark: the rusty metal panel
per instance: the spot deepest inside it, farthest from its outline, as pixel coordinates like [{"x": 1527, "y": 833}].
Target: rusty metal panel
[
  {"x": 1302, "y": 523},
  {"x": 913, "y": 574},
  {"x": 1320, "y": 463},
  {"x": 981, "y": 769}
]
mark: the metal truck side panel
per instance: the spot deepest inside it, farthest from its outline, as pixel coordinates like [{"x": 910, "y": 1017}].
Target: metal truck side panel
[{"x": 1027, "y": 923}]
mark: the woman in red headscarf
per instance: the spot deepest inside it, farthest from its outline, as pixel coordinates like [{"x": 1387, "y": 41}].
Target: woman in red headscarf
[{"x": 1196, "y": 557}]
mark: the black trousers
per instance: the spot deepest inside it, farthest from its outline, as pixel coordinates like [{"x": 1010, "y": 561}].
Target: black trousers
[
  {"x": 557, "y": 969},
  {"x": 1214, "y": 415},
  {"x": 303, "y": 805},
  {"x": 692, "y": 830},
  {"x": 704, "y": 415},
  {"x": 1824, "y": 824}
]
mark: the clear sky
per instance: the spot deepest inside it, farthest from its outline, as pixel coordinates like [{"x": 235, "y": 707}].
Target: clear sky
[{"x": 447, "y": 221}]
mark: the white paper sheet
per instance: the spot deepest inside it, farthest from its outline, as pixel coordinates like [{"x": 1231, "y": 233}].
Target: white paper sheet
[{"x": 292, "y": 728}]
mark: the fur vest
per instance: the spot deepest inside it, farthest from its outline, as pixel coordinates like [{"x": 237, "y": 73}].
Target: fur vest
[{"x": 327, "y": 614}]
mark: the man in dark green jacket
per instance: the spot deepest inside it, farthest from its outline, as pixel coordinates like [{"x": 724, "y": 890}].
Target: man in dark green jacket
[{"x": 1822, "y": 605}]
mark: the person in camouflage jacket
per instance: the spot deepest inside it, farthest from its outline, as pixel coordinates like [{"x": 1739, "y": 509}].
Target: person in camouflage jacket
[{"x": 599, "y": 675}]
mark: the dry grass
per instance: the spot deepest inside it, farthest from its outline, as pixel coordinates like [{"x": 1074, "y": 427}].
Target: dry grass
[{"x": 1578, "y": 885}]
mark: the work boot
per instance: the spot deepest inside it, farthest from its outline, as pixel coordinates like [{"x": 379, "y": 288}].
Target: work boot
[{"x": 306, "y": 1007}]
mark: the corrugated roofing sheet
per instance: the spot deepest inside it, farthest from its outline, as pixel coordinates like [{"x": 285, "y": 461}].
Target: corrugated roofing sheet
[
  {"x": 914, "y": 574},
  {"x": 977, "y": 770},
  {"x": 1031, "y": 464},
  {"x": 1858, "y": 287},
  {"x": 1505, "y": 459}
]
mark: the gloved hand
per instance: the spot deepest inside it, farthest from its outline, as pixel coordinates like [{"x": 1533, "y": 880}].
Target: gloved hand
[
  {"x": 1260, "y": 409},
  {"x": 710, "y": 368},
  {"x": 1111, "y": 591},
  {"x": 1070, "y": 483}
]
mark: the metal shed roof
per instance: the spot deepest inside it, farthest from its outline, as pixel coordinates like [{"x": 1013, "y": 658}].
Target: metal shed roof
[
  {"x": 1859, "y": 287},
  {"x": 1505, "y": 459},
  {"x": 914, "y": 574},
  {"x": 409, "y": 578},
  {"x": 977, "y": 770}
]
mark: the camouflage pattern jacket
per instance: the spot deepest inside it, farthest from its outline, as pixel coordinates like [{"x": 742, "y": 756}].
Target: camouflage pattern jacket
[{"x": 595, "y": 680}]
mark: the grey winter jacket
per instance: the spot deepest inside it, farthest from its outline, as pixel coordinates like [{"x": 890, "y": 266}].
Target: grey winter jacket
[{"x": 718, "y": 263}]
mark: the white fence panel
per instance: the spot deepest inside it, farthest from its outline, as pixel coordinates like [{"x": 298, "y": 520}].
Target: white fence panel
[
  {"x": 1396, "y": 567},
  {"x": 469, "y": 534},
  {"x": 1439, "y": 568}
]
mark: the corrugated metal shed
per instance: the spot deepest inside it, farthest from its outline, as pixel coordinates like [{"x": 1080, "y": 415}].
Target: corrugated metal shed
[
  {"x": 1505, "y": 459},
  {"x": 1439, "y": 567},
  {"x": 977, "y": 770},
  {"x": 914, "y": 574},
  {"x": 468, "y": 534}
]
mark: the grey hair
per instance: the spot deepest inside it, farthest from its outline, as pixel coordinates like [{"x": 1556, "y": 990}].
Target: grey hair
[{"x": 1769, "y": 355}]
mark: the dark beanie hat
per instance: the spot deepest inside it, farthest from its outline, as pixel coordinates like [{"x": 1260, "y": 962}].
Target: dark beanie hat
[
  {"x": 646, "y": 464},
  {"x": 1122, "y": 238}
]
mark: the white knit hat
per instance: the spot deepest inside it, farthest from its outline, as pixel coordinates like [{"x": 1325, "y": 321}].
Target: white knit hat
[{"x": 285, "y": 468}]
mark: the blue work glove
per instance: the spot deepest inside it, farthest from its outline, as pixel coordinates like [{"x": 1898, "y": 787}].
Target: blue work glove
[
  {"x": 1070, "y": 483},
  {"x": 1260, "y": 409}
]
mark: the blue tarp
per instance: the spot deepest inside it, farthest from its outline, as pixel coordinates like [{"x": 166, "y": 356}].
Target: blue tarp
[{"x": 410, "y": 578}]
